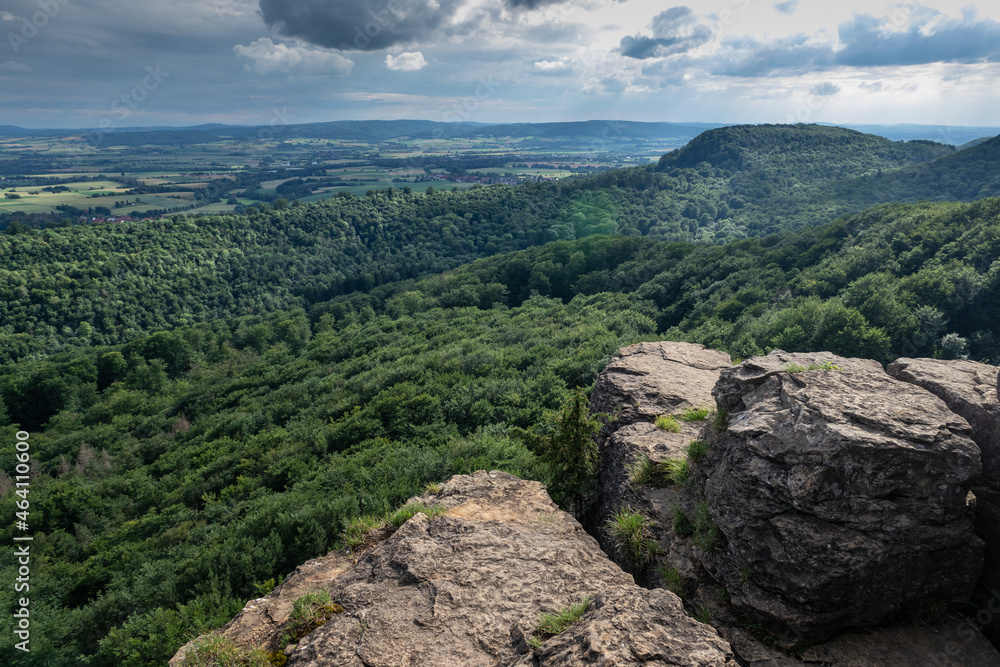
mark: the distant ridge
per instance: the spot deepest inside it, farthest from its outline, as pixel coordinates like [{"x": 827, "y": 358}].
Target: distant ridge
[{"x": 386, "y": 130}]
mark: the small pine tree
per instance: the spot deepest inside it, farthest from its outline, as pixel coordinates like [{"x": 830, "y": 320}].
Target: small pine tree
[{"x": 571, "y": 454}]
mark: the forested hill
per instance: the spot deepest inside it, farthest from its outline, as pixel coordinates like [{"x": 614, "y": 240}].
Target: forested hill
[
  {"x": 110, "y": 283},
  {"x": 183, "y": 473},
  {"x": 798, "y": 150}
]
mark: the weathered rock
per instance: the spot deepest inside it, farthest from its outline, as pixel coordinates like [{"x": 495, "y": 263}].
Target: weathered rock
[
  {"x": 649, "y": 379},
  {"x": 632, "y": 627},
  {"x": 468, "y": 587},
  {"x": 840, "y": 493},
  {"x": 970, "y": 390},
  {"x": 640, "y": 383},
  {"x": 946, "y": 643},
  {"x": 260, "y": 623}
]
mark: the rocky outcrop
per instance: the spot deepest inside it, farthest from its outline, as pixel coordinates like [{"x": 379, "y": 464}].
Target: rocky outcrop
[
  {"x": 970, "y": 390},
  {"x": 646, "y": 380},
  {"x": 841, "y": 495},
  {"x": 641, "y": 383},
  {"x": 468, "y": 587},
  {"x": 261, "y": 622}
]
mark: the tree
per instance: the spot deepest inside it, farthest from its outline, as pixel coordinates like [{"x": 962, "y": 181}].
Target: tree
[{"x": 571, "y": 454}]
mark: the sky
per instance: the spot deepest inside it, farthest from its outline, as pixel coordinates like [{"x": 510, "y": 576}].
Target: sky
[{"x": 121, "y": 63}]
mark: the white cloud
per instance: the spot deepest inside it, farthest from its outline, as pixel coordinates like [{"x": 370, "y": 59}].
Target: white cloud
[
  {"x": 7, "y": 16},
  {"x": 270, "y": 57},
  {"x": 11, "y": 66},
  {"x": 551, "y": 66},
  {"x": 406, "y": 62}
]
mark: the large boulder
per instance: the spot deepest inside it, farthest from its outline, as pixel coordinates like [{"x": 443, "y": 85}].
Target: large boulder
[
  {"x": 467, "y": 588},
  {"x": 841, "y": 494},
  {"x": 645, "y": 380},
  {"x": 970, "y": 390}
]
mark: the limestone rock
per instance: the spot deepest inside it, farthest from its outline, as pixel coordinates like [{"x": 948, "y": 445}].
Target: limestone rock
[
  {"x": 640, "y": 383},
  {"x": 633, "y": 626},
  {"x": 649, "y": 379},
  {"x": 468, "y": 588},
  {"x": 260, "y": 623},
  {"x": 970, "y": 390},
  {"x": 841, "y": 494}
]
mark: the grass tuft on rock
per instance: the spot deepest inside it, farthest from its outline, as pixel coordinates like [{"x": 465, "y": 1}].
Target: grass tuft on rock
[{"x": 551, "y": 625}]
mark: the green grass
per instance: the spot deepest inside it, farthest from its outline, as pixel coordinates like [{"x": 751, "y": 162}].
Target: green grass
[
  {"x": 410, "y": 510},
  {"x": 308, "y": 613},
  {"x": 825, "y": 366},
  {"x": 667, "y": 423},
  {"x": 645, "y": 471},
  {"x": 628, "y": 529},
  {"x": 218, "y": 651},
  {"x": 357, "y": 530},
  {"x": 703, "y": 615},
  {"x": 682, "y": 524},
  {"x": 696, "y": 450},
  {"x": 706, "y": 532},
  {"x": 720, "y": 423},
  {"x": 694, "y": 415},
  {"x": 433, "y": 488},
  {"x": 672, "y": 580},
  {"x": 551, "y": 625},
  {"x": 678, "y": 471}
]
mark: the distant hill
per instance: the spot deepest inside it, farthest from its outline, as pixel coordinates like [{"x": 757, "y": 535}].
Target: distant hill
[{"x": 788, "y": 149}]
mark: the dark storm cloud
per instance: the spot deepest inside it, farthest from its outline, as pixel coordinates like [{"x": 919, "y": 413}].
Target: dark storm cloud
[
  {"x": 676, "y": 30},
  {"x": 358, "y": 25},
  {"x": 867, "y": 44}
]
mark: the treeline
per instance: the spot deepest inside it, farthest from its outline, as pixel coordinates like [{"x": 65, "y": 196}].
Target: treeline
[
  {"x": 183, "y": 472},
  {"x": 108, "y": 284}
]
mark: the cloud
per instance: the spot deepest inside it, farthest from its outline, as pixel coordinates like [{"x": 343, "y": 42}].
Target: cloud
[
  {"x": 530, "y": 4},
  {"x": 676, "y": 30},
  {"x": 7, "y": 16},
  {"x": 358, "y": 25},
  {"x": 11, "y": 66},
  {"x": 825, "y": 88},
  {"x": 560, "y": 66},
  {"x": 788, "y": 7},
  {"x": 406, "y": 62},
  {"x": 929, "y": 38},
  {"x": 749, "y": 57},
  {"x": 270, "y": 57}
]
